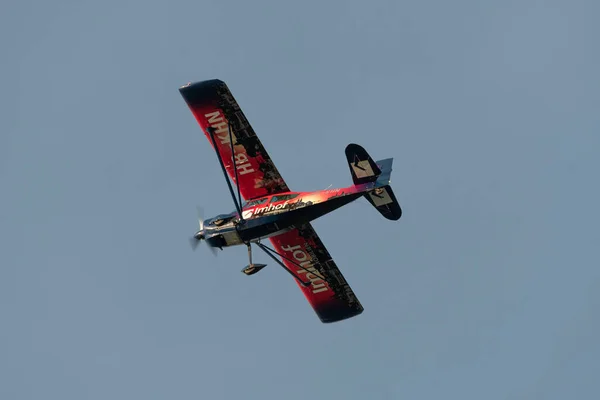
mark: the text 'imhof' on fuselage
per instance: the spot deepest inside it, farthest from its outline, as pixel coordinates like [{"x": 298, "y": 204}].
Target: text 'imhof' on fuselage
[{"x": 262, "y": 210}]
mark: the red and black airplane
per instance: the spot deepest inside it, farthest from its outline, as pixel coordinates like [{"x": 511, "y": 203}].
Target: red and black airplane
[{"x": 272, "y": 211}]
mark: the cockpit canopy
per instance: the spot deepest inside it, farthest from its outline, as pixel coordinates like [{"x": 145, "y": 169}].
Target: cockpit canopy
[
  {"x": 254, "y": 202},
  {"x": 223, "y": 219},
  {"x": 272, "y": 199}
]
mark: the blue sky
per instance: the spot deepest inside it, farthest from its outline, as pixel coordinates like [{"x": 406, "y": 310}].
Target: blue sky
[{"x": 486, "y": 288}]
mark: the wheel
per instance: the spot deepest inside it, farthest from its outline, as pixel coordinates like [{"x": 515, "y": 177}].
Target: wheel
[{"x": 252, "y": 269}]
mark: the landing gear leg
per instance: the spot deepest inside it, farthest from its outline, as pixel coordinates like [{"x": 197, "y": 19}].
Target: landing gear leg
[{"x": 252, "y": 268}]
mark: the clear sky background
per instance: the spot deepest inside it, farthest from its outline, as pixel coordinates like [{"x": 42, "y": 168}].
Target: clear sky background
[{"x": 487, "y": 288}]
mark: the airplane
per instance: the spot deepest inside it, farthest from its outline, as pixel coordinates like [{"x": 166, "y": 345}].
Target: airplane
[{"x": 270, "y": 210}]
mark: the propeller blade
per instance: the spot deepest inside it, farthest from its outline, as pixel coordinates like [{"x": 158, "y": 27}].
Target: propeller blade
[
  {"x": 194, "y": 243},
  {"x": 200, "y": 212}
]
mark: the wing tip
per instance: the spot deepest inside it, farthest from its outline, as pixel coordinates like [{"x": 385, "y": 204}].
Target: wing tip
[
  {"x": 202, "y": 91},
  {"x": 202, "y": 84},
  {"x": 330, "y": 319}
]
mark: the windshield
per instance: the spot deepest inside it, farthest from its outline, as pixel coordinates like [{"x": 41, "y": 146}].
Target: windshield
[{"x": 255, "y": 202}]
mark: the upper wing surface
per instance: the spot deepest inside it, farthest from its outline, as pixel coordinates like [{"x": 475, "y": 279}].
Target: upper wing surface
[
  {"x": 329, "y": 294},
  {"x": 213, "y": 105}
]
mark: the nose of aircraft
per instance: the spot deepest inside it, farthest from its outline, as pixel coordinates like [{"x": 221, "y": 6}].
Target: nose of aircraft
[{"x": 199, "y": 235}]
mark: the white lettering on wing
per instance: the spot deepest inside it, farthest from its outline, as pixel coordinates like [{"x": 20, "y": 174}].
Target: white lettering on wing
[
  {"x": 243, "y": 165},
  {"x": 317, "y": 282},
  {"x": 217, "y": 121}
]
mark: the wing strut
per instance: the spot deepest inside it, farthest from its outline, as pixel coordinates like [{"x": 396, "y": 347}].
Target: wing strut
[
  {"x": 270, "y": 252},
  {"x": 235, "y": 167},
  {"x": 211, "y": 132}
]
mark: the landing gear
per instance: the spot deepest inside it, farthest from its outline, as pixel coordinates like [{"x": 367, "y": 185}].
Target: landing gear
[{"x": 252, "y": 268}]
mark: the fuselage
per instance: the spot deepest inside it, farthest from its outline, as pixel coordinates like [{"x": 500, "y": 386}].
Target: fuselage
[{"x": 274, "y": 214}]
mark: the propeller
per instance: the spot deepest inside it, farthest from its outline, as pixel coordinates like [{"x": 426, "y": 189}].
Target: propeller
[{"x": 200, "y": 235}]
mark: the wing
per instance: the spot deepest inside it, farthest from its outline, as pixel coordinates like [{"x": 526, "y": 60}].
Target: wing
[
  {"x": 213, "y": 105},
  {"x": 329, "y": 294}
]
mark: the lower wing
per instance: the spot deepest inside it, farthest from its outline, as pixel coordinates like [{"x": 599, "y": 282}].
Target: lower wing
[{"x": 329, "y": 294}]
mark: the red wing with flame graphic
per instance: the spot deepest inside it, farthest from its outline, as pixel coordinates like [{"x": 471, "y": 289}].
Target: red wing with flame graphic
[
  {"x": 329, "y": 294},
  {"x": 214, "y": 106}
]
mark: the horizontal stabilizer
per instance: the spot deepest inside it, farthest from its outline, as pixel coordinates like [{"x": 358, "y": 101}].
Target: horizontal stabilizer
[
  {"x": 362, "y": 166},
  {"x": 384, "y": 200}
]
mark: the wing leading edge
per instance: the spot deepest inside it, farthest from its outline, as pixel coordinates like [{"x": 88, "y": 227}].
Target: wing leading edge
[
  {"x": 329, "y": 294},
  {"x": 213, "y": 105}
]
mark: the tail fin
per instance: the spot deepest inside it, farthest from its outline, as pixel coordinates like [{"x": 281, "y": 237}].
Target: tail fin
[
  {"x": 386, "y": 171},
  {"x": 365, "y": 170}
]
